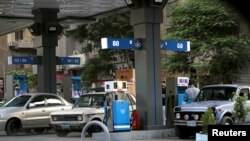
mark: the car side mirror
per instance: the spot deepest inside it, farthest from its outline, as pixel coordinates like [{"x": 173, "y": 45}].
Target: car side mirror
[
  {"x": 32, "y": 105},
  {"x": 241, "y": 94}
]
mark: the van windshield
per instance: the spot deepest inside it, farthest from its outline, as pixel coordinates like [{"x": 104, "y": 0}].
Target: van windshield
[
  {"x": 90, "y": 100},
  {"x": 216, "y": 93}
]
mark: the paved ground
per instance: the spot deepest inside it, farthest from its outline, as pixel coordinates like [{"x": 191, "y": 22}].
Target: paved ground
[{"x": 70, "y": 137}]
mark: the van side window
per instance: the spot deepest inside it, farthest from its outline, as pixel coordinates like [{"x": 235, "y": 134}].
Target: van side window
[{"x": 246, "y": 92}]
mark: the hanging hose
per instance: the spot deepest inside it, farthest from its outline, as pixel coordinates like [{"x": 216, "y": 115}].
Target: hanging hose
[{"x": 106, "y": 111}]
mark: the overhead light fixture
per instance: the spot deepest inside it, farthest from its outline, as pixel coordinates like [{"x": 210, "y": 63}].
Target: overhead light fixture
[
  {"x": 35, "y": 29},
  {"x": 54, "y": 28},
  {"x": 131, "y": 3},
  {"x": 157, "y": 3}
]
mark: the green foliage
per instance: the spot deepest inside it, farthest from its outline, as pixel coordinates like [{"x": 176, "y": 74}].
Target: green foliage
[
  {"x": 32, "y": 79},
  {"x": 207, "y": 119},
  {"x": 102, "y": 66},
  {"x": 217, "y": 48},
  {"x": 240, "y": 110},
  {"x": 92, "y": 72}
]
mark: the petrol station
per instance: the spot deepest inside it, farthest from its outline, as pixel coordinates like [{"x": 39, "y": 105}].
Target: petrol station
[{"x": 146, "y": 16}]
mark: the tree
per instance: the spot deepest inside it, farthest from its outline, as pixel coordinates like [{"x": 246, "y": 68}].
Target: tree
[
  {"x": 207, "y": 119},
  {"x": 240, "y": 110},
  {"x": 102, "y": 66},
  {"x": 218, "y": 51}
]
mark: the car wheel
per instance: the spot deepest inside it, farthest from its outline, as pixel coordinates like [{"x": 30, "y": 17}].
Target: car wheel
[
  {"x": 227, "y": 121},
  {"x": 94, "y": 129},
  {"x": 61, "y": 133},
  {"x": 39, "y": 130},
  {"x": 182, "y": 132},
  {"x": 13, "y": 127}
]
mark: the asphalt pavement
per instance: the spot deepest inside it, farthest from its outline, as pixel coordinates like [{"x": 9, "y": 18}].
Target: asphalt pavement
[{"x": 70, "y": 137}]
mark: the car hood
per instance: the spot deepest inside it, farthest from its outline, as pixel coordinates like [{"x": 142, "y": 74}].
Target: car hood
[
  {"x": 9, "y": 109},
  {"x": 203, "y": 105},
  {"x": 84, "y": 111}
]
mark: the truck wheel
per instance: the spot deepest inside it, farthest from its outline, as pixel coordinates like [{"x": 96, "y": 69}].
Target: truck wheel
[
  {"x": 227, "y": 121},
  {"x": 182, "y": 132},
  {"x": 13, "y": 127},
  {"x": 61, "y": 133}
]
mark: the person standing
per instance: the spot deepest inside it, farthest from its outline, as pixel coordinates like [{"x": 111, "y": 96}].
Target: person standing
[{"x": 192, "y": 92}]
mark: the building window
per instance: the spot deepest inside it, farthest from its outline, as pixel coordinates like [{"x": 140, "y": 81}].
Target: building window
[{"x": 19, "y": 35}]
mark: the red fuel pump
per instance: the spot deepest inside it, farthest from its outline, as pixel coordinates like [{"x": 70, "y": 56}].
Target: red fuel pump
[{"x": 135, "y": 120}]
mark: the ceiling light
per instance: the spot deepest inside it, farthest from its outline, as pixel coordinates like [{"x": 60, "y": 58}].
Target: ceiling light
[
  {"x": 157, "y": 3},
  {"x": 131, "y": 3}
]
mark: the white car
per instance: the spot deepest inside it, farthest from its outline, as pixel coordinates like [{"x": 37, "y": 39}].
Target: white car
[
  {"x": 30, "y": 111},
  {"x": 87, "y": 108}
]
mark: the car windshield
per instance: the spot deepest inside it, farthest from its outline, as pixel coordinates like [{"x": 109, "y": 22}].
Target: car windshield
[
  {"x": 90, "y": 101},
  {"x": 17, "y": 101},
  {"x": 216, "y": 93}
]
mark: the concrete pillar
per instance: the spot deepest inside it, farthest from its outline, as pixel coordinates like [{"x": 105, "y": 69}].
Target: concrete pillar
[
  {"x": 146, "y": 21},
  {"x": 45, "y": 42}
]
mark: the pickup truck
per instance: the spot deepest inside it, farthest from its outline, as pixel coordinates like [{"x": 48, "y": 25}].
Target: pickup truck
[
  {"x": 221, "y": 98},
  {"x": 88, "y": 107}
]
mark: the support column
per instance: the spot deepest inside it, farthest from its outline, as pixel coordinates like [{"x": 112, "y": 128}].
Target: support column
[
  {"x": 146, "y": 22},
  {"x": 45, "y": 41}
]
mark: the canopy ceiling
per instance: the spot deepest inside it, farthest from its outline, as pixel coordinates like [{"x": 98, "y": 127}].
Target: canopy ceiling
[{"x": 16, "y": 14}]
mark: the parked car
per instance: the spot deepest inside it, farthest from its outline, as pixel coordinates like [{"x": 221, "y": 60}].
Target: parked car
[
  {"x": 88, "y": 107},
  {"x": 30, "y": 111},
  {"x": 220, "y": 98},
  {"x": 1, "y": 102}
]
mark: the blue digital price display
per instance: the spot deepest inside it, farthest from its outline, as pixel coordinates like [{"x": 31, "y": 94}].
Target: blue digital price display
[
  {"x": 69, "y": 60},
  {"x": 22, "y": 60},
  {"x": 120, "y": 43},
  {"x": 173, "y": 45}
]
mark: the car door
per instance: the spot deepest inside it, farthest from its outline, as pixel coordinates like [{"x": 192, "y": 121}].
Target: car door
[
  {"x": 36, "y": 115},
  {"x": 53, "y": 103}
]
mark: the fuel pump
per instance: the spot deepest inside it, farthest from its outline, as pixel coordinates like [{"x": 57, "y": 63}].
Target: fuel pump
[
  {"x": 116, "y": 107},
  {"x": 20, "y": 85},
  {"x": 76, "y": 88},
  {"x": 175, "y": 95},
  {"x": 182, "y": 85}
]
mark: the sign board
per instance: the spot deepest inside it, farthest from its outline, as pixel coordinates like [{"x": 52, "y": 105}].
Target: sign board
[
  {"x": 120, "y": 43},
  {"x": 125, "y": 75},
  {"x": 22, "y": 60},
  {"x": 68, "y": 60},
  {"x": 115, "y": 86},
  {"x": 182, "y": 81},
  {"x": 173, "y": 45},
  {"x": 82, "y": 61}
]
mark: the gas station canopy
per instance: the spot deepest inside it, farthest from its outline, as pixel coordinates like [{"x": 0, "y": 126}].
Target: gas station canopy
[{"x": 17, "y": 14}]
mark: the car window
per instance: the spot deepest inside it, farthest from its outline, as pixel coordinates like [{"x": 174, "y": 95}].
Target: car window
[
  {"x": 53, "y": 101},
  {"x": 245, "y": 91},
  {"x": 17, "y": 101},
  {"x": 38, "y": 101},
  {"x": 216, "y": 93}
]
